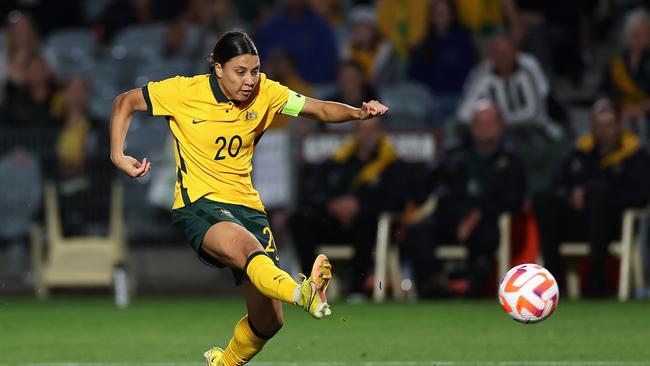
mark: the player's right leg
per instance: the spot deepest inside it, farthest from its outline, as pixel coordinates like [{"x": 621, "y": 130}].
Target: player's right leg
[
  {"x": 312, "y": 292},
  {"x": 236, "y": 247}
]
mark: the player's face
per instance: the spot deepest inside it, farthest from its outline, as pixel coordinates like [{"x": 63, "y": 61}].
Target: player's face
[{"x": 238, "y": 76}]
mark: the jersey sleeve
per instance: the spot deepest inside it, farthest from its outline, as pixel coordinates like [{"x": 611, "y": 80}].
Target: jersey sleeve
[
  {"x": 278, "y": 95},
  {"x": 163, "y": 96}
]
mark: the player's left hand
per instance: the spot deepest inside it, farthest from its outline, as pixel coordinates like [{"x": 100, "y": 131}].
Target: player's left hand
[{"x": 372, "y": 109}]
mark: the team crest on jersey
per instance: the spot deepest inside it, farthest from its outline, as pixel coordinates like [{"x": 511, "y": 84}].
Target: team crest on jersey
[
  {"x": 251, "y": 116},
  {"x": 224, "y": 212}
]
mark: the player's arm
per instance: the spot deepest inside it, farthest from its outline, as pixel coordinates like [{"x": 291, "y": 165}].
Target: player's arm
[
  {"x": 123, "y": 107},
  {"x": 333, "y": 112}
]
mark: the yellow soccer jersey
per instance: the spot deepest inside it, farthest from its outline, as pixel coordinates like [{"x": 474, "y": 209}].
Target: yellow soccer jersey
[{"x": 215, "y": 137}]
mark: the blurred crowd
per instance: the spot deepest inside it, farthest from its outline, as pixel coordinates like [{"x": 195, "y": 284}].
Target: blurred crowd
[{"x": 539, "y": 109}]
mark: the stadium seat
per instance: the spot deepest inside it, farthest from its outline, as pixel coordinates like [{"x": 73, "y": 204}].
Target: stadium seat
[
  {"x": 82, "y": 261},
  {"x": 412, "y": 146},
  {"x": 410, "y": 105},
  {"x": 387, "y": 263},
  {"x": 156, "y": 71},
  {"x": 139, "y": 42},
  {"x": 73, "y": 50},
  {"x": 628, "y": 249}
]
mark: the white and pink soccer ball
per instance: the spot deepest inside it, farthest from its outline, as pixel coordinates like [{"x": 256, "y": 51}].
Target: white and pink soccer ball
[{"x": 528, "y": 293}]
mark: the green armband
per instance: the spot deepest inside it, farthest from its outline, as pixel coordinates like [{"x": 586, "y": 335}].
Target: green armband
[{"x": 294, "y": 104}]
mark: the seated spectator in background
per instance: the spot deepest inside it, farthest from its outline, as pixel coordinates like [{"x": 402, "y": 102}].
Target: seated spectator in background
[
  {"x": 627, "y": 78},
  {"x": 369, "y": 49},
  {"x": 487, "y": 18},
  {"x": 351, "y": 87},
  {"x": 21, "y": 34},
  {"x": 403, "y": 22},
  {"x": 344, "y": 197},
  {"x": 443, "y": 60},
  {"x": 215, "y": 18},
  {"x": 21, "y": 188},
  {"x": 82, "y": 151},
  {"x": 606, "y": 173},
  {"x": 517, "y": 85},
  {"x": 22, "y": 41},
  {"x": 554, "y": 34},
  {"x": 49, "y": 15},
  {"x": 307, "y": 36},
  {"x": 472, "y": 184},
  {"x": 154, "y": 11},
  {"x": 330, "y": 10},
  {"x": 514, "y": 80},
  {"x": 29, "y": 97},
  {"x": 280, "y": 67}
]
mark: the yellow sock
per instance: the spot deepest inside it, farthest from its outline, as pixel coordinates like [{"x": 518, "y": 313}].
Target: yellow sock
[
  {"x": 269, "y": 279},
  {"x": 243, "y": 345}
]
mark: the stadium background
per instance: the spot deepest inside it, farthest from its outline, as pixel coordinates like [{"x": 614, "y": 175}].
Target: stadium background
[{"x": 85, "y": 52}]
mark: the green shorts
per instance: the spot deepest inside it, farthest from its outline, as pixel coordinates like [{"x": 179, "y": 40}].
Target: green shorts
[{"x": 195, "y": 219}]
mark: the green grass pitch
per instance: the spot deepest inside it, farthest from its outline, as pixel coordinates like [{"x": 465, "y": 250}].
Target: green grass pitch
[{"x": 176, "y": 331}]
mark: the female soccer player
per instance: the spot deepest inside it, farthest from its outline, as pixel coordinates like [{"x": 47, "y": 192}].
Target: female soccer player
[{"x": 217, "y": 119}]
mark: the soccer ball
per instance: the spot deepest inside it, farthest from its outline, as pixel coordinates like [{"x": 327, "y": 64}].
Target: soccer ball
[{"x": 528, "y": 293}]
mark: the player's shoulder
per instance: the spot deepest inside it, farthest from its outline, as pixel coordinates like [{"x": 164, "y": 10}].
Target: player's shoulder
[
  {"x": 267, "y": 84},
  {"x": 180, "y": 81},
  {"x": 200, "y": 79}
]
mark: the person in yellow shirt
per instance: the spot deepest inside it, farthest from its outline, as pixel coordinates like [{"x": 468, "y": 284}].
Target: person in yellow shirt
[{"x": 217, "y": 119}]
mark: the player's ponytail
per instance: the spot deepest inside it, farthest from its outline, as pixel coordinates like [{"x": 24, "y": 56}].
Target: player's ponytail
[{"x": 231, "y": 44}]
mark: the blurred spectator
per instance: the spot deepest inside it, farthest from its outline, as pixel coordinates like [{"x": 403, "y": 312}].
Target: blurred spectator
[
  {"x": 30, "y": 92},
  {"x": 487, "y": 18},
  {"x": 344, "y": 196},
  {"x": 216, "y": 17},
  {"x": 514, "y": 80},
  {"x": 21, "y": 41},
  {"x": 82, "y": 150},
  {"x": 403, "y": 22},
  {"x": 280, "y": 67},
  {"x": 307, "y": 36},
  {"x": 351, "y": 87},
  {"x": 554, "y": 34},
  {"x": 606, "y": 173},
  {"x": 329, "y": 10},
  {"x": 50, "y": 15},
  {"x": 114, "y": 17},
  {"x": 20, "y": 197},
  {"x": 21, "y": 34},
  {"x": 255, "y": 12},
  {"x": 154, "y": 11},
  {"x": 627, "y": 78},
  {"x": 369, "y": 49},
  {"x": 517, "y": 85},
  {"x": 443, "y": 60},
  {"x": 472, "y": 184}
]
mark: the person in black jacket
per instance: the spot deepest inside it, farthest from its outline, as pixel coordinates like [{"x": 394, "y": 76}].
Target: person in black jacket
[
  {"x": 344, "y": 196},
  {"x": 606, "y": 173},
  {"x": 472, "y": 184}
]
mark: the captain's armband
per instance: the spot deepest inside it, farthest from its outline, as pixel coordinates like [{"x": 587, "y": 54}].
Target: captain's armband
[{"x": 294, "y": 104}]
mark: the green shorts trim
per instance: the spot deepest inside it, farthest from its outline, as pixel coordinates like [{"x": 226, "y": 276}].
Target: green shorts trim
[{"x": 195, "y": 219}]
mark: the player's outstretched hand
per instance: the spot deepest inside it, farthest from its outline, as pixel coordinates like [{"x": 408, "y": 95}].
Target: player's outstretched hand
[
  {"x": 372, "y": 109},
  {"x": 132, "y": 167}
]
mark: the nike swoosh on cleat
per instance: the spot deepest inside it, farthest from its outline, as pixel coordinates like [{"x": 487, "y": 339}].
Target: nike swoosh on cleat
[{"x": 194, "y": 121}]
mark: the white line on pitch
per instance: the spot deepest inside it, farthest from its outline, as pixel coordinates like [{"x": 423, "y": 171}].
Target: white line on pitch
[{"x": 363, "y": 363}]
